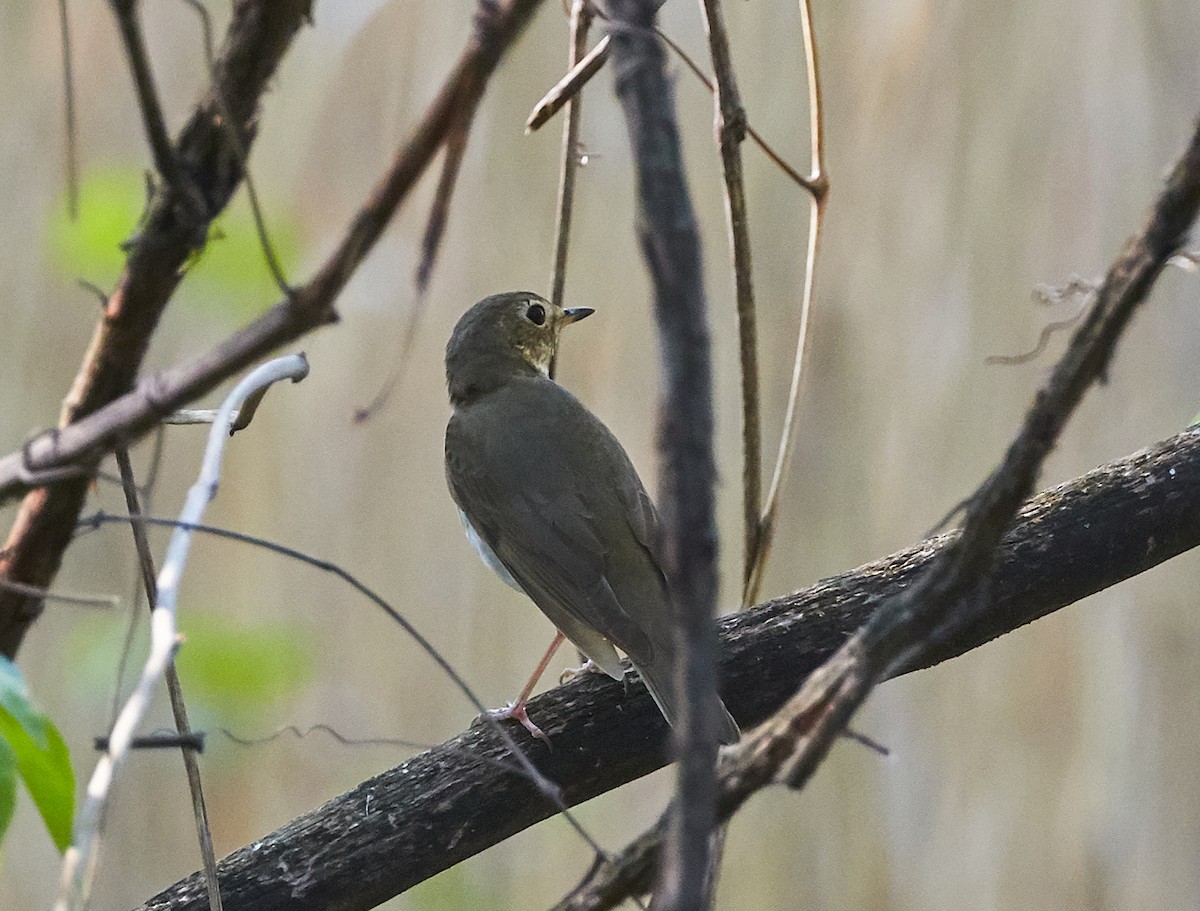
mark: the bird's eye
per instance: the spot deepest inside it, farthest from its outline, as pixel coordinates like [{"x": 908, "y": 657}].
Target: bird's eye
[{"x": 536, "y": 314}]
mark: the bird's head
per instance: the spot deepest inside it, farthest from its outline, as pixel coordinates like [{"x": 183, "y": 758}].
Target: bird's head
[{"x": 503, "y": 336}]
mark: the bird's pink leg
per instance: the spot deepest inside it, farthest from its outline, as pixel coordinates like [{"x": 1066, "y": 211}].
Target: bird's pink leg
[{"x": 516, "y": 710}]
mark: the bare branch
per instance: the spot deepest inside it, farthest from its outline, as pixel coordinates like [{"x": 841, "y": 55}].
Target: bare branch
[
  {"x": 670, "y": 243},
  {"x": 730, "y": 128},
  {"x": 70, "y": 126},
  {"x": 431, "y": 243},
  {"x": 568, "y": 162},
  {"x": 450, "y": 803},
  {"x": 165, "y": 161},
  {"x": 569, "y": 86},
  {"x": 818, "y": 186},
  {"x": 238, "y": 145}
]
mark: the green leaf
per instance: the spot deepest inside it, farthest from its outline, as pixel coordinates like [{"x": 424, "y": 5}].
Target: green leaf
[
  {"x": 236, "y": 670},
  {"x": 112, "y": 200},
  {"x": 228, "y": 277},
  {"x": 14, "y": 699},
  {"x": 42, "y": 758},
  {"x": 8, "y": 786}
]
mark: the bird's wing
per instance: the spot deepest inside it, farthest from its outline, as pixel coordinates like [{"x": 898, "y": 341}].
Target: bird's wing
[{"x": 542, "y": 526}]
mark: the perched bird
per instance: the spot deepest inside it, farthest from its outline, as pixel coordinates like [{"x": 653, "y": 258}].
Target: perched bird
[{"x": 551, "y": 501}]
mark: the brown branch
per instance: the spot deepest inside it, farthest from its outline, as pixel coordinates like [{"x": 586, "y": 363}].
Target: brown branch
[
  {"x": 191, "y": 762},
  {"x": 456, "y": 800},
  {"x": 102, "y": 413},
  {"x": 455, "y": 143},
  {"x": 577, "y": 77},
  {"x": 569, "y": 86},
  {"x": 70, "y": 126},
  {"x": 568, "y": 161},
  {"x": 817, "y": 184},
  {"x": 730, "y": 125},
  {"x": 143, "y": 81},
  {"x": 177, "y": 224},
  {"x": 670, "y": 244},
  {"x": 956, "y": 592}
]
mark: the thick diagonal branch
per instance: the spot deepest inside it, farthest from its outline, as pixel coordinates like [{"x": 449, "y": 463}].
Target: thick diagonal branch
[{"x": 455, "y": 800}]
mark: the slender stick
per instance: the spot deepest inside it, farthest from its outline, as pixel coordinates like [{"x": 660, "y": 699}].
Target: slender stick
[
  {"x": 240, "y": 150},
  {"x": 578, "y": 77},
  {"x": 165, "y": 161},
  {"x": 568, "y": 163},
  {"x": 818, "y": 184},
  {"x": 191, "y": 761},
  {"x": 431, "y": 244},
  {"x": 730, "y": 124},
  {"x": 69, "y": 122},
  {"x": 569, "y": 86}
]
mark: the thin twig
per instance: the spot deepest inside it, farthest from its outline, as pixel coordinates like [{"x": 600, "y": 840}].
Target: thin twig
[
  {"x": 569, "y": 86},
  {"x": 191, "y": 763},
  {"x": 300, "y": 734},
  {"x": 79, "y": 860},
  {"x": 730, "y": 128},
  {"x": 69, "y": 122},
  {"x": 170, "y": 740},
  {"x": 568, "y": 161},
  {"x": 146, "y": 494},
  {"x": 431, "y": 244},
  {"x": 34, "y": 591},
  {"x": 232, "y": 129},
  {"x": 817, "y": 184},
  {"x": 165, "y": 161},
  {"x": 1043, "y": 338}
]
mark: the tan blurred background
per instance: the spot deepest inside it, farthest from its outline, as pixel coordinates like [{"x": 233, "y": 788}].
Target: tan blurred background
[{"x": 976, "y": 150}]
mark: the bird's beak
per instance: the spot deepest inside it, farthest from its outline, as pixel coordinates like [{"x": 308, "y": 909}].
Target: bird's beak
[{"x": 575, "y": 314}]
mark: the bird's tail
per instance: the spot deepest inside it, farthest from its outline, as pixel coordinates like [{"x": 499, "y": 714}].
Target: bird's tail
[{"x": 663, "y": 691}]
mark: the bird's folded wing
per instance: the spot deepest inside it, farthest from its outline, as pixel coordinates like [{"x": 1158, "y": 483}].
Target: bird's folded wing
[{"x": 546, "y": 537}]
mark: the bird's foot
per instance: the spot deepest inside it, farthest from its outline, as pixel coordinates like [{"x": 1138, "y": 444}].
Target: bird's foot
[
  {"x": 588, "y": 667},
  {"x": 516, "y": 711}
]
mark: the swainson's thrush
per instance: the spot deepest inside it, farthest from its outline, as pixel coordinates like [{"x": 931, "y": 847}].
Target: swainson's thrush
[{"x": 550, "y": 499}]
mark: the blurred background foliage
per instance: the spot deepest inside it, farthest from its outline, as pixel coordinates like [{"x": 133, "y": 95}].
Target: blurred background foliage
[{"x": 976, "y": 151}]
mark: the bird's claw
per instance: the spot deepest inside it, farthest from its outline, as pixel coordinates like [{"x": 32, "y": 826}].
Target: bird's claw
[
  {"x": 516, "y": 711},
  {"x": 571, "y": 673}
]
